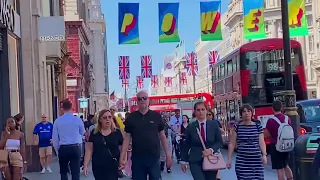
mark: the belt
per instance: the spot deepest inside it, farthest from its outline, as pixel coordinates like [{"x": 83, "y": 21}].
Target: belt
[
  {"x": 13, "y": 150},
  {"x": 70, "y": 145}
]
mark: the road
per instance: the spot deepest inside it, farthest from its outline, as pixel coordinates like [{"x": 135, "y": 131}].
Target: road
[{"x": 176, "y": 173}]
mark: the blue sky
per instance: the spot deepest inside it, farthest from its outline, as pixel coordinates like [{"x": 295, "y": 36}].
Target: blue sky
[{"x": 189, "y": 31}]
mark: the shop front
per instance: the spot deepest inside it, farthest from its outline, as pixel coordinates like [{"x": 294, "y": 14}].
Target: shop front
[{"x": 11, "y": 95}]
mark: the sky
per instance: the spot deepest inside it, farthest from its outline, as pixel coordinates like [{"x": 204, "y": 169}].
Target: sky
[{"x": 189, "y": 31}]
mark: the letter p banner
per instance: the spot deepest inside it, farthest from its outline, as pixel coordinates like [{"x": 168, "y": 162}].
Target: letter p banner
[{"x": 128, "y": 23}]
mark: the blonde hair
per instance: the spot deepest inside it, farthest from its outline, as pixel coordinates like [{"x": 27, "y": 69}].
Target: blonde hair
[{"x": 98, "y": 120}]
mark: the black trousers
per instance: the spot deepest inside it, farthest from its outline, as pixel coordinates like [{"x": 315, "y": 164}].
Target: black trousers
[
  {"x": 142, "y": 167},
  {"x": 70, "y": 154},
  {"x": 198, "y": 174}
]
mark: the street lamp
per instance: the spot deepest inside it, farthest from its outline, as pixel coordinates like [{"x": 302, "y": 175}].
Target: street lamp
[{"x": 288, "y": 97}]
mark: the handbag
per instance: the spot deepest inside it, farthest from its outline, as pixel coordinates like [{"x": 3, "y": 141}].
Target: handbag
[
  {"x": 4, "y": 156},
  {"x": 120, "y": 172},
  {"x": 213, "y": 162}
]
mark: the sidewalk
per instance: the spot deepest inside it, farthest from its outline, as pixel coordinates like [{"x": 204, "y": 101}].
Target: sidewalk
[
  {"x": 55, "y": 175},
  {"x": 176, "y": 174}
]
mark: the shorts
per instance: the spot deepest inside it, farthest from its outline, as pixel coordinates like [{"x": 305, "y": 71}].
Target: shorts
[
  {"x": 45, "y": 151},
  {"x": 15, "y": 159},
  {"x": 279, "y": 159}
]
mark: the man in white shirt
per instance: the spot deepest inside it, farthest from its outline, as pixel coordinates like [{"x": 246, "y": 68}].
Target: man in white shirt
[{"x": 175, "y": 123}]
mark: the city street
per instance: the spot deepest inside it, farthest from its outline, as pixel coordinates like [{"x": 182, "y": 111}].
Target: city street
[{"x": 176, "y": 174}]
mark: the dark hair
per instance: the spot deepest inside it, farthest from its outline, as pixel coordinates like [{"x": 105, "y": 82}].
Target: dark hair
[
  {"x": 197, "y": 104},
  {"x": 126, "y": 115},
  {"x": 247, "y": 107},
  {"x": 193, "y": 115},
  {"x": 177, "y": 110},
  {"x": 18, "y": 117},
  {"x": 81, "y": 116},
  {"x": 66, "y": 105},
  {"x": 186, "y": 117},
  {"x": 277, "y": 106},
  {"x": 211, "y": 112}
]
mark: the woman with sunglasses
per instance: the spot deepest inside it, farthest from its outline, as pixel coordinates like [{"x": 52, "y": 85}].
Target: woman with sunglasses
[{"x": 104, "y": 148}]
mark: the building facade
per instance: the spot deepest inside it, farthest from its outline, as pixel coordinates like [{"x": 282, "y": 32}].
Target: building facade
[
  {"x": 78, "y": 40},
  {"x": 11, "y": 77},
  {"x": 98, "y": 66}
]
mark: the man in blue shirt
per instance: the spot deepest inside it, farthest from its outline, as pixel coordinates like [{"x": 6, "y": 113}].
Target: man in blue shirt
[
  {"x": 67, "y": 134},
  {"x": 44, "y": 132}
]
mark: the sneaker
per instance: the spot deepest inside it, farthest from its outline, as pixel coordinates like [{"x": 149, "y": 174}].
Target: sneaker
[
  {"x": 43, "y": 171},
  {"x": 49, "y": 170}
]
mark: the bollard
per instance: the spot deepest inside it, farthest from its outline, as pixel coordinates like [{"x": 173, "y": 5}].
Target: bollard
[{"x": 305, "y": 148}]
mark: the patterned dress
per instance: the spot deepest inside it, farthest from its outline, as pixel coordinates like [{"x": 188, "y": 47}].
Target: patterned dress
[{"x": 249, "y": 164}]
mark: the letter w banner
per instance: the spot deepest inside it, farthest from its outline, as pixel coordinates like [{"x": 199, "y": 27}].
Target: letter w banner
[
  {"x": 168, "y": 22},
  {"x": 297, "y": 18},
  {"x": 128, "y": 23},
  {"x": 210, "y": 13},
  {"x": 253, "y": 14}
]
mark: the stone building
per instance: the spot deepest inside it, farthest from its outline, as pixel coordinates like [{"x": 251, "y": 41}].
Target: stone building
[{"x": 98, "y": 65}]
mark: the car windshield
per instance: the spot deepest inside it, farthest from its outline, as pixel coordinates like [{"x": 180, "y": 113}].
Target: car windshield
[{"x": 309, "y": 111}]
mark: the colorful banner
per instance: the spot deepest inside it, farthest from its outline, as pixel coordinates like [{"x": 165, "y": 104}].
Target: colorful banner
[
  {"x": 254, "y": 26},
  {"x": 297, "y": 18},
  {"x": 168, "y": 22},
  {"x": 210, "y": 13},
  {"x": 129, "y": 23}
]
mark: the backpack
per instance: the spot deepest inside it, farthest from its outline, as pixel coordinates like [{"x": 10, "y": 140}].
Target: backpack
[{"x": 285, "y": 139}]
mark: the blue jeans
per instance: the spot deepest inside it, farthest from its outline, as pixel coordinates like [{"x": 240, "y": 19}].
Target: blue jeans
[
  {"x": 316, "y": 165},
  {"x": 142, "y": 167}
]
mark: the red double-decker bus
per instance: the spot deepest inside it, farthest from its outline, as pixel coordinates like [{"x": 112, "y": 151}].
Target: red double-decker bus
[
  {"x": 169, "y": 103},
  {"x": 251, "y": 74}
]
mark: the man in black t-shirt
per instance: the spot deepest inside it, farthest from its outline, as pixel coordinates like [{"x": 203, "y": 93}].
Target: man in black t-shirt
[{"x": 146, "y": 129}]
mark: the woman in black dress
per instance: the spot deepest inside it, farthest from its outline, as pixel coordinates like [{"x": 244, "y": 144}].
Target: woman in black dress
[{"x": 104, "y": 148}]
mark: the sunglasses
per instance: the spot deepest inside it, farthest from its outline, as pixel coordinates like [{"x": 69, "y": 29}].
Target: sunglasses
[
  {"x": 44, "y": 117},
  {"x": 107, "y": 117},
  {"x": 142, "y": 98}
]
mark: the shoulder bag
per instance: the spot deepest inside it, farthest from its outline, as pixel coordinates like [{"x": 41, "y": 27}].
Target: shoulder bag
[
  {"x": 120, "y": 173},
  {"x": 213, "y": 162}
]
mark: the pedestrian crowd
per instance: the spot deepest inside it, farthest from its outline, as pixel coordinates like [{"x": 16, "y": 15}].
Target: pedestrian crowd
[{"x": 142, "y": 144}]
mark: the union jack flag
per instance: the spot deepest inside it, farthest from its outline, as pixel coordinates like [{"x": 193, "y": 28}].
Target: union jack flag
[
  {"x": 124, "y": 71},
  {"x": 146, "y": 66},
  {"x": 154, "y": 81},
  {"x": 125, "y": 83},
  {"x": 192, "y": 64},
  {"x": 183, "y": 78},
  {"x": 213, "y": 58},
  {"x": 168, "y": 81},
  {"x": 139, "y": 82}
]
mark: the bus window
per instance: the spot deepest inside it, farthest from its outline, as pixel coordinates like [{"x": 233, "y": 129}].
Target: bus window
[
  {"x": 217, "y": 73},
  {"x": 222, "y": 70},
  {"x": 229, "y": 67}
]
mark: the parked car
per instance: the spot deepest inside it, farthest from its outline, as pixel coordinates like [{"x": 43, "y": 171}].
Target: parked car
[{"x": 309, "y": 112}]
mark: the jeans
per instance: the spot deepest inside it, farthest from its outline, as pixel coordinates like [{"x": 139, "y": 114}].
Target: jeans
[
  {"x": 316, "y": 165},
  {"x": 70, "y": 154},
  {"x": 144, "y": 166}
]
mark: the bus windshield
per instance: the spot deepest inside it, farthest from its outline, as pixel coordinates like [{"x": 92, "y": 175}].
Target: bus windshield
[{"x": 266, "y": 69}]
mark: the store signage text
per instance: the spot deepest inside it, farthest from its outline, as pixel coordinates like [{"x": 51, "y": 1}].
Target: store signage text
[
  {"x": 7, "y": 15},
  {"x": 52, "y": 38}
]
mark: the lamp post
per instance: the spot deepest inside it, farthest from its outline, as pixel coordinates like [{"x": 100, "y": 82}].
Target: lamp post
[{"x": 288, "y": 97}]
